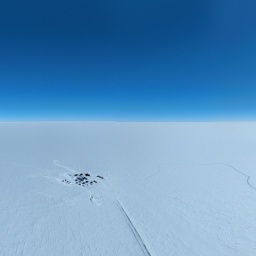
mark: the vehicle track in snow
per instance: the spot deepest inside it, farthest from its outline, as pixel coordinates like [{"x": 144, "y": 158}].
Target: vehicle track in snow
[
  {"x": 69, "y": 168},
  {"x": 134, "y": 231},
  {"x": 248, "y": 177}
]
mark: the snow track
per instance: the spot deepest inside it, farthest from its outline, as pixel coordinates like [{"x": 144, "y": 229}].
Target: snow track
[
  {"x": 60, "y": 164},
  {"x": 245, "y": 175},
  {"x": 248, "y": 177},
  {"x": 134, "y": 231}
]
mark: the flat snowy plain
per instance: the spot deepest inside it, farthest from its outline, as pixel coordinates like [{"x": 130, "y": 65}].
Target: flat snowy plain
[{"x": 162, "y": 189}]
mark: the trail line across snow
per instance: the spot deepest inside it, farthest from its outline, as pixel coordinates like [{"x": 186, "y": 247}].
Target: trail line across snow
[
  {"x": 60, "y": 164},
  {"x": 134, "y": 231},
  {"x": 248, "y": 177}
]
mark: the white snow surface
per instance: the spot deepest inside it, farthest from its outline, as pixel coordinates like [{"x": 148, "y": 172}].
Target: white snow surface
[{"x": 167, "y": 189}]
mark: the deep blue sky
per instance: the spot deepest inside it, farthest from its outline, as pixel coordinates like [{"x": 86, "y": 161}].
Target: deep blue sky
[{"x": 128, "y": 60}]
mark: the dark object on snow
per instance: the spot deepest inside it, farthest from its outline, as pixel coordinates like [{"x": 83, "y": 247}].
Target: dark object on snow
[
  {"x": 100, "y": 177},
  {"x": 87, "y": 174},
  {"x": 76, "y": 174},
  {"x": 80, "y": 174},
  {"x": 91, "y": 182},
  {"x": 95, "y": 181}
]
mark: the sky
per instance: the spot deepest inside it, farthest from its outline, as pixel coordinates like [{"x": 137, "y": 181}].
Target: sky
[{"x": 127, "y": 60}]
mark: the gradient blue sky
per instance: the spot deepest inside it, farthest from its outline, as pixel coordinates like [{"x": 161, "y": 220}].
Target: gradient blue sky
[{"x": 166, "y": 60}]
